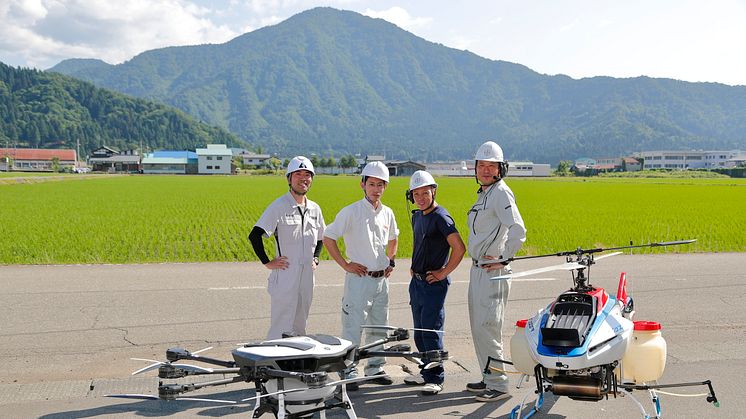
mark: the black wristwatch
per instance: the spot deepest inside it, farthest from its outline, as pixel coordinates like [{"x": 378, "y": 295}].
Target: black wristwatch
[
  {"x": 316, "y": 261},
  {"x": 392, "y": 263}
]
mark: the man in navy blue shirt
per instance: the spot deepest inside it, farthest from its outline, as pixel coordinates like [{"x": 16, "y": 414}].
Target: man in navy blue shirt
[{"x": 435, "y": 236}]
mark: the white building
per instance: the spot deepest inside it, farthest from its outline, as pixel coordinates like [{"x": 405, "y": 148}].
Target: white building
[
  {"x": 214, "y": 160},
  {"x": 682, "y": 160},
  {"x": 255, "y": 160},
  {"x": 527, "y": 168},
  {"x": 516, "y": 169}
]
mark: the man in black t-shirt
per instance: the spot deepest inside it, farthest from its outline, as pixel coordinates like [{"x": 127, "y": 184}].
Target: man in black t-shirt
[{"x": 435, "y": 236}]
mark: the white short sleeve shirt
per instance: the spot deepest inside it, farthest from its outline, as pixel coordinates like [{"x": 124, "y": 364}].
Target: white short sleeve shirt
[{"x": 366, "y": 232}]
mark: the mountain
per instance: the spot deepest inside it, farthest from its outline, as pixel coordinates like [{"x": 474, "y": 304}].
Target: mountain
[
  {"x": 51, "y": 110},
  {"x": 330, "y": 81}
]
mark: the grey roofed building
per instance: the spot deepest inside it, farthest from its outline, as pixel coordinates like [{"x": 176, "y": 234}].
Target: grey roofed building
[{"x": 111, "y": 160}]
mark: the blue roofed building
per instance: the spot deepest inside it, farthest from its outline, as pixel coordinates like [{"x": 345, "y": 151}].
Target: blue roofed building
[{"x": 170, "y": 162}]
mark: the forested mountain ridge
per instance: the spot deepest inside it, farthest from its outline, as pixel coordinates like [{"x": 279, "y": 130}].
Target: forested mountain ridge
[
  {"x": 51, "y": 110},
  {"x": 333, "y": 82}
]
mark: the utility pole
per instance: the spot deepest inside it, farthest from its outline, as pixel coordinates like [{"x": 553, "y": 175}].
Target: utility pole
[{"x": 77, "y": 153}]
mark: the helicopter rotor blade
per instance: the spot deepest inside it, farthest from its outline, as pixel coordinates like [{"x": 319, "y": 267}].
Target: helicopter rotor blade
[
  {"x": 563, "y": 267},
  {"x": 608, "y": 255},
  {"x": 580, "y": 251}
]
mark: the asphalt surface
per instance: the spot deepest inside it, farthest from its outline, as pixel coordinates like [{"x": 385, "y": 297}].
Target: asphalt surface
[{"x": 68, "y": 333}]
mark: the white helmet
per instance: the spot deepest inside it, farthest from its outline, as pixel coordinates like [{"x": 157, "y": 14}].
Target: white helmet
[
  {"x": 376, "y": 169},
  {"x": 299, "y": 163},
  {"x": 421, "y": 178},
  {"x": 489, "y": 151}
]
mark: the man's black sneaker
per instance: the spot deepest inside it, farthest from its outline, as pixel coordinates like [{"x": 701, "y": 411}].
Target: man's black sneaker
[
  {"x": 490, "y": 395},
  {"x": 476, "y": 387},
  {"x": 383, "y": 380}
]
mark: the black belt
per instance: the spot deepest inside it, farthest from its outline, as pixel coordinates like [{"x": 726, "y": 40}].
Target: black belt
[
  {"x": 421, "y": 277},
  {"x": 376, "y": 274}
]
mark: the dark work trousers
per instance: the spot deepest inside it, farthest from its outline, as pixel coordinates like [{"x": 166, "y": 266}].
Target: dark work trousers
[{"x": 428, "y": 312}]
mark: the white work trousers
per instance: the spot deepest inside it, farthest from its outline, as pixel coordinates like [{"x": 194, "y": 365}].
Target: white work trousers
[
  {"x": 487, "y": 301},
  {"x": 365, "y": 302},
  {"x": 291, "y": 292}
]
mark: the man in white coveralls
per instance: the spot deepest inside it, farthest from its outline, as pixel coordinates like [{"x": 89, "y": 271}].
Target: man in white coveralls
[
  {"x": 496, "y": 233},
  {"x": 298, "y": 227}
]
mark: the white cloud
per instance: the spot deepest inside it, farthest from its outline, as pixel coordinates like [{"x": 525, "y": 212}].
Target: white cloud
[
  {"x": 399, "y": 17},
  {"x": 42, "y": 32}
]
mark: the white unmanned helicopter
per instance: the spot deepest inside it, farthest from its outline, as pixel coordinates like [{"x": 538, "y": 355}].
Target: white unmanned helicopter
[
  {"x": 585, "y": 345},
  {"x": 292, "y": 375}
]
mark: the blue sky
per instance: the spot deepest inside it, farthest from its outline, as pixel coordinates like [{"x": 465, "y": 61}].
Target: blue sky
[{"x": 686, "y": 40}]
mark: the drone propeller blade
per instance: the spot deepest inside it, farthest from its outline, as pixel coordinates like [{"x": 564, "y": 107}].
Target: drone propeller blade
[
  {"x": 133, "y": 396},
  {"x": 147, "y": 360},
  {"x": 432, "y": 365},
  {"x": 202, "y": 350},
  {"x": 193, "y": 368},
  {"x": 197, "y": 399},
  {"x": 292, "y": 390},
  {"x": 564, "y": 266},
  {"x": 157, "y": 364}
]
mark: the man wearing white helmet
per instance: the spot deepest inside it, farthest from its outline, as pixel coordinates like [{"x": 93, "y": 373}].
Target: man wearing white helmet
[
  {"x": 435, "y": 236},
  {"x": 370, "y": 234},
  {"x": 298, "y": 227},
  {"x": 496, "y": 233}
]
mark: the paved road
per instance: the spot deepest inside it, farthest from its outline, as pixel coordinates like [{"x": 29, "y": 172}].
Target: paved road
[{"x": 68, "y": 332}]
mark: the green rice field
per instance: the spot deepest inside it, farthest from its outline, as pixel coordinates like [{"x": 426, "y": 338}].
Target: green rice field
[{"x": 140, "y": 219}]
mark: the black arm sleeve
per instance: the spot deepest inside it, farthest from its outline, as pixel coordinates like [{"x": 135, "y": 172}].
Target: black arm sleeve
[
  {"x": 317, "y": 250},
  {"x": 255, "y": 237}
]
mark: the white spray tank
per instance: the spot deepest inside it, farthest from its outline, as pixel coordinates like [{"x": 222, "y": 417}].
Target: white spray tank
[
  {"x": 645, "y": 358},
  {"x": 519, "y": 351}
]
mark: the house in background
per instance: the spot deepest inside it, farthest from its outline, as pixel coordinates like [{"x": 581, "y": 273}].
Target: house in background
[
  {"x": 36, "y": 159},
  {"x": 214, "y": 160},
  {"x": 630, "y": 164},
  {"x": 254, "y": 160},
  {"x": 170, "y": 162},
  {"x": 111, "y": 160},
  {"x": 403, "y": 168}
]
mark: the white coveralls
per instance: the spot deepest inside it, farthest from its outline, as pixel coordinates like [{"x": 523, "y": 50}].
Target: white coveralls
[
  {"x": 296, "y": 234},
  {"x": 366, "y": 232},
  {"x": 495, "y": 229}
]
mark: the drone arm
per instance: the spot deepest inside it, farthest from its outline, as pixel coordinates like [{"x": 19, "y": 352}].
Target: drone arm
[
  {"x": 396, "y": 335},
  {"x": 208, "y": 360},
  {"x": 170, "y": 391},
  {"x": 217, "y": 371}
]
